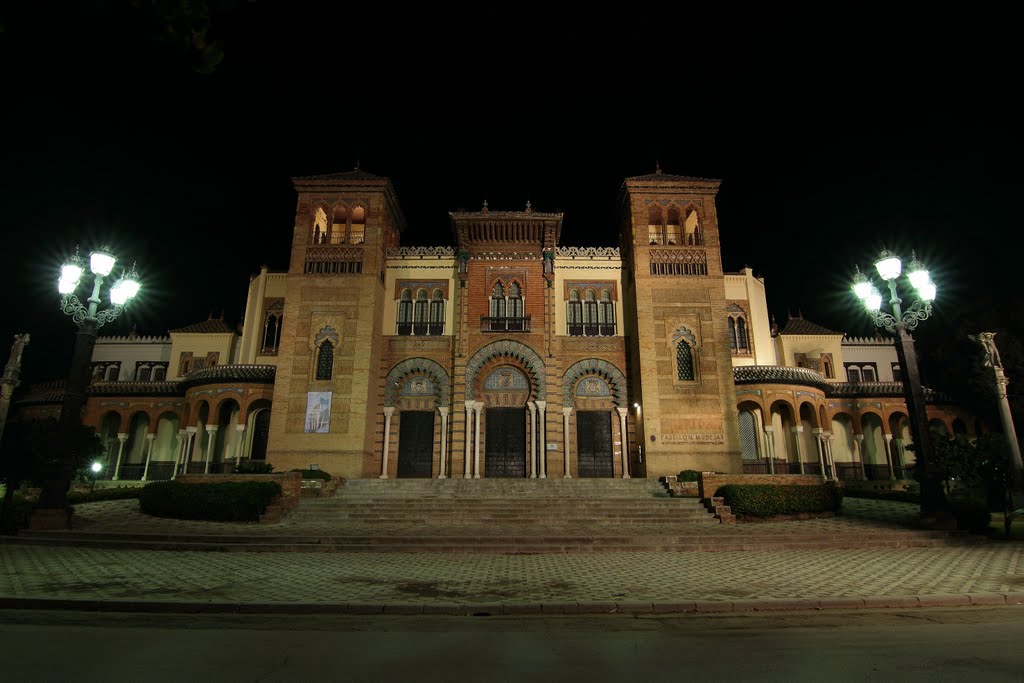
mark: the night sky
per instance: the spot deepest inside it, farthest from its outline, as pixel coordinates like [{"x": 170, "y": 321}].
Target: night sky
[{"x": 830, "y": 143}]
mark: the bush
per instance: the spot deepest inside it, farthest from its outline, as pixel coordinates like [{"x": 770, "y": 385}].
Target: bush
[
  {"x": 688, "y": 475},
  {"x": 230, "y": 501},
  {"x": 910, "y": 496},
  {"x": 970, "y": 509},
  {"x": 120, "y": 493},
  {"x": 314, "y": 474},
  {"x": 254, "y": 467},
  {"x": 765, "y": 500}
]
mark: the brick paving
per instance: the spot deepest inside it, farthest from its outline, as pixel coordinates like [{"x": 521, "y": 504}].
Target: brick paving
[{"x": 989, "y": 572}]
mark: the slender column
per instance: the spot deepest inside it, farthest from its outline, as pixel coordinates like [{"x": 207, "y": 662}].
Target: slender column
[
  {"x": 769, "y": 447},
  {"x": 887, "y": 441},
  {"x": 858, "y": 454},
  {"x": 122, "y": 438},
  {"x": 477, "y": 407},
  {"x": 829, "y": 457},
  {"x": 797, "y": 431},
  {"x": 541, "y": 406},
  {"x": 150, "y": 439},
  {"x": 566, "y": 411},
  {"x": 388, "y": 412},
  {"x": 190, "y": 442},
  {"x": 211, "y": 441},
  {"x": 621, "y": 410},
  {"x": 239, "y": 440},
  {"x": 821, "y": 451},
  {"x": 179, "y": 454},
  {"x": 469, "y": 437},
  {"x": 442, "y": 460},
  {"x": 532, "y": 407}
]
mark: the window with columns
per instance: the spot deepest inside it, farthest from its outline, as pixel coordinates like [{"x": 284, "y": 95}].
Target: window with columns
[
  {"x": 506, "y": 309},
  {"x": 589, "y": 312},
  {"x": 861, "y": 372},
  {"x": 739, "y": 338},
  {"x": 272, "y": 320},
  {"x": 422, "y": 316},
  {"x": 325, "y": 360},
  {"x": 685, "y": 355}
]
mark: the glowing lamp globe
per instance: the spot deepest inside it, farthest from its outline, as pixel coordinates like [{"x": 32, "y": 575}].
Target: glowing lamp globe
[
  {"x": 889, "y": 265},
  {"x": 927, "y": 292},
  {"x": 101, "y": 262}
]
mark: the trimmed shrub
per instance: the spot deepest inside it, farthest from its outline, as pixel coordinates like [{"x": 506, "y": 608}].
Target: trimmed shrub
[
  {"x": 254, "y": 467},
  {"x": 119, "y": 493},
  {"x": 688, "y": 475},
  {"x": 314, "y": 474},
  {"x": 970, "y": 509},
  {"x": 765, "y": 500},
  {"x": 229, "y": 501}
]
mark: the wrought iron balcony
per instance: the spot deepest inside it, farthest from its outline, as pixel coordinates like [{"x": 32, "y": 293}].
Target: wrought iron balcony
[
  {"x": 502, "y": 324},
  {"x": 591, "y": 329}
]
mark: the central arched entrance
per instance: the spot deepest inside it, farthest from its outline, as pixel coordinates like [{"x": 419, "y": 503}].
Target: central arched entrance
[{"x": 505, "y": 393}]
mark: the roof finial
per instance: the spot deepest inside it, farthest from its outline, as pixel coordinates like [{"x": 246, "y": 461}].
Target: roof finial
[
  {"x": 657, "y": 167},
  {"x": 528, "y": 206},
  {"x": 357, "y": 164},
  {"x": 485, "y": 209}
]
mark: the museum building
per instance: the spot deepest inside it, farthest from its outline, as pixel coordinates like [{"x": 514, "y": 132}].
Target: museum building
[{"x": 507, "y": 355}]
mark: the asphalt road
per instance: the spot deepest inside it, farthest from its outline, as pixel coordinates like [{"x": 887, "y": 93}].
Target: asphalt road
[{"x": 971, "y": 643}]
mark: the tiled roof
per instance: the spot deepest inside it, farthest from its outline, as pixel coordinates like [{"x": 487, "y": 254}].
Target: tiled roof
[
  {"x": 135, "y": 388},
  {"x": 669, "y": 178},
  {"x": 801, "y": 326},
  {"x": 250, "y": 374},
  {"x": 778, "y": 374},
  {"x": 210, "y": 326}
]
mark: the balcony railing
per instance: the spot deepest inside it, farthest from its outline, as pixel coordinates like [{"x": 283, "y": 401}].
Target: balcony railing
[
  {"x": 489, "y": 324},
  {"x": 420, "y": 329}
]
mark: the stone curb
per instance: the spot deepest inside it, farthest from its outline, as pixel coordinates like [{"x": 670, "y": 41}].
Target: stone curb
[{"x": 526, "y": 609}]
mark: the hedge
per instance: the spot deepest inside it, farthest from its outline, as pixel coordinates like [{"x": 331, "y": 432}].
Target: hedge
[
  {"x": 314, "y": 474},
  {"x": 765, "y": 500},
  {"x": 882, "y": 494},
  {"x": 119, "y": 493},
  {"x": 229, "y": 501},
  {"x": 688, "y": 475}
]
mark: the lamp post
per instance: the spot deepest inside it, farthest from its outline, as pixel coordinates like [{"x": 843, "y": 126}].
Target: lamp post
[
  {"x": 900, "y": 323},
  {"x": 52, "y": 511}
]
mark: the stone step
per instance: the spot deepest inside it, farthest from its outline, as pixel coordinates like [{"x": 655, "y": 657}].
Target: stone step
[{"x": 485, "y": 544}]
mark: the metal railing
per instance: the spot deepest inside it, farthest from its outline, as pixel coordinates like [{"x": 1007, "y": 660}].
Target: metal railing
[
  {"x": 503, "y": 324},
  {"x": 591, "y": 329}
]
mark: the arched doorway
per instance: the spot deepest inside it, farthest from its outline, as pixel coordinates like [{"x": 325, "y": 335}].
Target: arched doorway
[
  {"x": 259, "y": 429},
  {"x": 416, "y": 428},
  {"x": 505, "y": 392},
  {"x": 594, "y": 456}
]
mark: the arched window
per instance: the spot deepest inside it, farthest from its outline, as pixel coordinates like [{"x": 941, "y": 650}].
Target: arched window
[
  {"x": 419, "y": 319},
  {"x": 869, "y": 373},
  {"x": 673, "y": 227},
  {"x": 159, "y": 374},
  {"x": 574, "y": 313},
  {"x": 339, "y": 225},
  {"x": 112, "y": 373},
  {"x": 590, "y": 321},
  {"x": 272, "y": 327},
  {"x": 437, "y": 313},
  {"x": 826, "y": 368},
  {"x": 325, "y": 360},
  {"x": 742, "y": 341},
  {"x": 748, "y": 436},
  {"x": 607, "y": 313},
  {"x": 732, "y": 334},
  {"x": 357, "y": 231},
  {"x": 498, "y": 301},
  {"x": 405, "y": 313},
  {"x": 515, "y": 307},
  {"x": 691, "y": 229},
  {"x": 144, "y": 373},
  {"x": 320, "y": 231},
  {"x": 654, "y": 225},
  {"x": 684, "y": 361}
]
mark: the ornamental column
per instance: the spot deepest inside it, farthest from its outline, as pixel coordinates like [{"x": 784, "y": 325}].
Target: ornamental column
[
  {"x": 532, "y": 407},
  {"x": 828, "y": 456},
  {"x": 239, "y": 440},
  {"x": 469, "y": 437},
  {"x": 887, "y": 442},
  {"x": 178, "y": 454},
  {"x": 388, "y": 412},
  {"x": 150, "y": 439},
  {"x": 817, "y": 431},
  {"x": 190, "y": 444},
  {"x": 541, "y": 406},
  {"x": 565, "y": 439},
  {"x": 769, "y": 448},
  {"x": 858, "y": 454},
  {"x": 122, "y": 437},
  {"x": 622, "y": 411},
  {"x": 444, "y": 441},
  {"x": 211, "y": 441},
  {"x": 797, "y": 431},
  {"x": 477, "y": 407}
]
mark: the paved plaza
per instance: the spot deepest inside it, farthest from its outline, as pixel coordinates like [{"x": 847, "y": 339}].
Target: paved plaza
[{"x": 981, "y": 572}]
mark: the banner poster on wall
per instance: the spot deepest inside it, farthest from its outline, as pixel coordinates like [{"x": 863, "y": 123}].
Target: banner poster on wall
[{"x": 318, "y": 412}]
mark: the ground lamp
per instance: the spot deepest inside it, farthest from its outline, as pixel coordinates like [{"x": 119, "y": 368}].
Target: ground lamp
[
  {"x": 52, "y": 511},
  {"x": 95, "y": 467},
  {"x": 900, "y": 323}
]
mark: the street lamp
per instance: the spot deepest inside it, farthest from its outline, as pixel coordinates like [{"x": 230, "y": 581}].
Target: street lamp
[
  {"x": 52, "y": 511},
  {"x": 95, "y": 467},
  {"x": 900, "y": 323}
]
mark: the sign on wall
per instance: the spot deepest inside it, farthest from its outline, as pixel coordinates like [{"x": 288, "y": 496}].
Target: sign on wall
[{"x": 318, "y": 412}]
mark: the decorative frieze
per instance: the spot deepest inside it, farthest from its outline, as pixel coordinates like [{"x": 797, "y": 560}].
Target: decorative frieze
[
  {"x": 587, "y": 252},
  {"x": 421, "y": 252}
]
